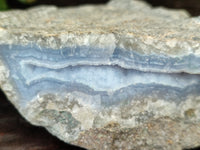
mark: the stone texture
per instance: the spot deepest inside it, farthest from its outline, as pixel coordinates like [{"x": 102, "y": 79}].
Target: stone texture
[
  {"x": 18, "y": 134},
  {"x": 105, "y": 77},
  {"x": 159, "y": 134}
]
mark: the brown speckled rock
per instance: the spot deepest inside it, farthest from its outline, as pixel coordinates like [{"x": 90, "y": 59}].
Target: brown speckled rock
[{"x": 159, "y": 134}]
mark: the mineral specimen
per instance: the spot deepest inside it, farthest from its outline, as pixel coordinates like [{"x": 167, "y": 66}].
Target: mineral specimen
[{"x": 103, "y": 71}]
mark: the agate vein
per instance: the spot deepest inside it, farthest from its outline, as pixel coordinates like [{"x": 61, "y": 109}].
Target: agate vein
[{"x": 45, "y": 70}]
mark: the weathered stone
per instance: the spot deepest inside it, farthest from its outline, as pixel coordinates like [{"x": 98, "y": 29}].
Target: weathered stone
[
  {"x": 102, "y": 72},
  {"x": 17, "y": 134}
]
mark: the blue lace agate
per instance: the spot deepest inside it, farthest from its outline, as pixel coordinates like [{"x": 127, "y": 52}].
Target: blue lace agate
[{"x": 117, "y": 76}]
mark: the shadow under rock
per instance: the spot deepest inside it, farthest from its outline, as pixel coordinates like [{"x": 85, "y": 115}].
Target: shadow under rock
[{"x": 17, "y": 134}]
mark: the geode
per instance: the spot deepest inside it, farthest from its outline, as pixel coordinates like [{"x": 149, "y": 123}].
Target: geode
[{"x": 93, "y": 74}]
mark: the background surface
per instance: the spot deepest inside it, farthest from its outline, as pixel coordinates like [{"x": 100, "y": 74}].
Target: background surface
[{"x": 192, "y": 6}]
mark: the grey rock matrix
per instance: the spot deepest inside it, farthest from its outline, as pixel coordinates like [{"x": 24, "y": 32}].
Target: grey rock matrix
[{"x": 116, "y": 76}]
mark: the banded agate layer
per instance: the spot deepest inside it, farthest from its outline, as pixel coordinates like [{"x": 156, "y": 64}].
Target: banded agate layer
[{"x": 114, "y": 76}]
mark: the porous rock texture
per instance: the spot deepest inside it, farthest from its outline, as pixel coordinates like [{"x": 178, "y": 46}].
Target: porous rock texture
[
  {"x": 18, "y": 134},
  {"x": 116, "y": 76}
]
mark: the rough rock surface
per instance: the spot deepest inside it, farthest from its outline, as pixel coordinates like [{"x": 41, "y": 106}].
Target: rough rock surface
[
  {"x": 105, "y": 77},
  {"x": 18, "y": 134}
]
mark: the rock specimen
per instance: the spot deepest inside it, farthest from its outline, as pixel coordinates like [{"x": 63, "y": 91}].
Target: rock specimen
[{"x": 98, "y": 76}]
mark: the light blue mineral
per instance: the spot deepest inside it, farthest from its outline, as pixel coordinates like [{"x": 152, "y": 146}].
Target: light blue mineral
[{"x": 116, "y": 77}]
